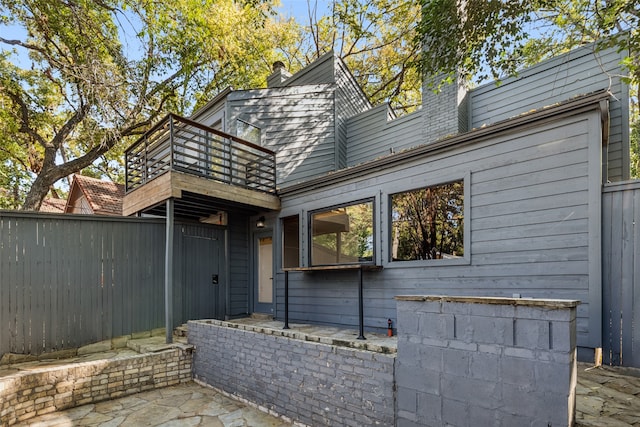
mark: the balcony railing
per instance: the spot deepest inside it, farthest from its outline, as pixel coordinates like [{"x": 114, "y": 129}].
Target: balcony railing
[{"x": 180, "y": 144}]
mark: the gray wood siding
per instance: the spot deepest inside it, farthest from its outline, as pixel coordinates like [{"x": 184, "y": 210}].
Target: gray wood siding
[
  {"x": 580, "y": 71},
  {"x": 297, "y": 123},
  {"x": 374, "y": 134},
  {"x": 350, "y": 100},
  {"x": 621, "y": 273},
  {"x": 532, "y": 201},
  {"x": 239, "y": 266},
  {"x": 320, "y": 71}
]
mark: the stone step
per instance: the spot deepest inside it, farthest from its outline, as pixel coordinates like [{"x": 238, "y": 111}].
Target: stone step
[{"x": 181, "y": 331}]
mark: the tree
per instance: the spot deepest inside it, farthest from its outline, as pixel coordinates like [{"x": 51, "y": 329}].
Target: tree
[
  {"x": 374, "y": 38},
  {"x": 495, "y": 38},
  {"x": 103, "y": 71}
]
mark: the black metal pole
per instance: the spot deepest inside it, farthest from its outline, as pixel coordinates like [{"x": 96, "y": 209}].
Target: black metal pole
[
  {"x": 286, "y": 300},
  {"x": 361, "y": 305}
]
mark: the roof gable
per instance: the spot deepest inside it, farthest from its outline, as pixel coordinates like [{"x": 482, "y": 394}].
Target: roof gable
[{"x": 103, "y": 197}]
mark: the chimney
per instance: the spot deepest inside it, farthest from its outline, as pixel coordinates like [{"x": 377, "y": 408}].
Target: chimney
[
  {"x": 444, "y": 112},
  {"x": 279, "y": 75}
]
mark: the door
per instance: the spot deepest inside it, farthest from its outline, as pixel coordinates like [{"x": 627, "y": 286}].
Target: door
[
  {"x": 203, "y": 288},
  {"x": 263, "y": 280}
]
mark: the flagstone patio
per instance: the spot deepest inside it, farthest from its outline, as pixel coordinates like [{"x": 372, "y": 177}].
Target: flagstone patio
[{"x": 185, "y": 405}]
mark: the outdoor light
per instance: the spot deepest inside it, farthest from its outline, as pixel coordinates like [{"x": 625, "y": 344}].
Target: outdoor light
[{"x": 260, "y": 222}]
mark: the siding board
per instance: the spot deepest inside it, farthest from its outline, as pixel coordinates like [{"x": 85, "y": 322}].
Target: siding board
[
  {"x": 577, "y": 72},
  {"x": 373, "y": 134},
  {"x": 530, "y": 197},
  {"x": 297, "y": 124}
]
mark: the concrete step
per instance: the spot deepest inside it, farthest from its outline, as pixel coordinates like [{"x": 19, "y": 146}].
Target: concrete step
[{"x": 261, "y": 316}]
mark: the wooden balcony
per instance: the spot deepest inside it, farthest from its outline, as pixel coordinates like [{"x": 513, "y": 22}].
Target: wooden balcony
[{"x": 206, "y": 168}]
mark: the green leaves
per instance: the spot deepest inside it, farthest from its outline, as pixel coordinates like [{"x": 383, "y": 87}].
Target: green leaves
[
  {"x": 374, "y": 38},
  {"x": 493, "y": 38},
  {"x": 103, "y": 71}
]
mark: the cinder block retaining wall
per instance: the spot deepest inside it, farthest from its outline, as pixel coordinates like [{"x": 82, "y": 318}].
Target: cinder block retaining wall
[
  {"x": 31, "y": 393},
  {"x": 486, "y": 362},
  {"x": 310, "y": 382}
]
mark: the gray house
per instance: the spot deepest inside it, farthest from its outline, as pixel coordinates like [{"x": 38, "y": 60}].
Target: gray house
[{"x": 317, "y": 194}]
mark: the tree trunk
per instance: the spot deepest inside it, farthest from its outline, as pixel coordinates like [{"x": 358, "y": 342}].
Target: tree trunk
[{"x": 37, "y": 193}]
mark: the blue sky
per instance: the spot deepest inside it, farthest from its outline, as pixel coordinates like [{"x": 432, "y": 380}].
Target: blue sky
[{"x": 299, "y": 8}]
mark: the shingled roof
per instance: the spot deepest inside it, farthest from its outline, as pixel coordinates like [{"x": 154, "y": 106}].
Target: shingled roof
[
  {"x": 104, "y": 197},
  {"x": 53, "y": 205}
]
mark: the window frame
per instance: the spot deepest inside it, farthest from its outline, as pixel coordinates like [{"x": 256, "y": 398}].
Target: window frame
[
  {"x": 463, "y": 260},
  {"x": 248, "y": 125},
  {"x": 374, "y": 228}
]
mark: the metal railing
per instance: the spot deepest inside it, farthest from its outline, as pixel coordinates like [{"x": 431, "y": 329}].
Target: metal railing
[{"x": 180, "y": 144}]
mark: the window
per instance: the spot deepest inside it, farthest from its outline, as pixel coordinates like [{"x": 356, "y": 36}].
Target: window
[
  {"x": 247, "y": 131},
  {"x": 428, "y": 223},
  {"x": 342, "y": 235},
  {"x": 291, "y": 242}
]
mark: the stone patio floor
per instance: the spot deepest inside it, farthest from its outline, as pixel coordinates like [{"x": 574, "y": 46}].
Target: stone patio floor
[
  {"x": 185, "y": 405},
  {"x": 606, "y": 396}
]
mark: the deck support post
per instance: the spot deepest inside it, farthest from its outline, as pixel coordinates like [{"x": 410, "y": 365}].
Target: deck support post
[{"x": 168, "y": 273}]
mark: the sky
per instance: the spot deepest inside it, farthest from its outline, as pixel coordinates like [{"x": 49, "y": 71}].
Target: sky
[{"x": 299, "y": 8}]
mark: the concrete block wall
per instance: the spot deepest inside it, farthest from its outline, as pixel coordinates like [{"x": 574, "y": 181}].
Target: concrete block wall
[
  {"x": 310, "y": 382},
  {"x": 30, "y": 393},
  {"x": 485, "y": 361}
]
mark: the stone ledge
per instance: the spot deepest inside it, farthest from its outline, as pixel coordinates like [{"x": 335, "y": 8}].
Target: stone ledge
[
  {"x": 526, "y": 302},
  {"x": 303, "y": 336}
]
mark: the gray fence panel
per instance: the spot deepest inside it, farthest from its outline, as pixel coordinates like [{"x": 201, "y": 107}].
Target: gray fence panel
[
  {"x": 70, "y": 280},
  {"x": 621, "y": 273}
]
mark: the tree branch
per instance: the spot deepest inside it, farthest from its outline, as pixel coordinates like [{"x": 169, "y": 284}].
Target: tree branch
[{"x": 25, "y": 125}]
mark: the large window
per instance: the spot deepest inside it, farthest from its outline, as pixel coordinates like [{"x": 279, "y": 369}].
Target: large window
[
  {"x": 342, "y": 235},
  {"x": 291, "y": 242},
  {"x": 428, "y": 223}
]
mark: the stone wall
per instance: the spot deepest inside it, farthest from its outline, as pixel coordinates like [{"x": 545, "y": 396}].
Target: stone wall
[
  {"x": 27, "y": 394},
  {"x": 310, "y": 382},
  {"x": 485, "y": 362}
]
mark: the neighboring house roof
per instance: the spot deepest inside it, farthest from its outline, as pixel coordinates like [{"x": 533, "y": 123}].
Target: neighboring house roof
[
  {"x": 94, "y": 196},
  {"x": 53, "y": 205}
]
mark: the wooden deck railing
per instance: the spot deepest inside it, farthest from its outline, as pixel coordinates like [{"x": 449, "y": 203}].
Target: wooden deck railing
[{"x": 180, "y": 144}]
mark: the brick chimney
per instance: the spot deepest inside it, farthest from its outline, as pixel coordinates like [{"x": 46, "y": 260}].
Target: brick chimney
[
  {"x": 444, "y": 112},
  {"x": 279, "y": 75}
]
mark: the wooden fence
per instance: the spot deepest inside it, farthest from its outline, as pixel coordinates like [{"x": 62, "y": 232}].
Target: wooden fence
[
  {"x": 621, "y": 273},
  {"x": 71, "y": 280}
]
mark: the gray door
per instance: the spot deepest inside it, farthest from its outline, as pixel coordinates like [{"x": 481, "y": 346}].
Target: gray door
[
  {"x": 263, "y": 275},
  {"x": 203, "y": 287}
]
